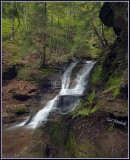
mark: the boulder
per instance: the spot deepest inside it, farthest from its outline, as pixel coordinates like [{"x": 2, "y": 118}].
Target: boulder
[{"x": 115, "y": 15}]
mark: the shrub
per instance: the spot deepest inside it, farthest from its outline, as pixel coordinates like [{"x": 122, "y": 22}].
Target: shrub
[
  {"x": 31, "y": 74},
  {"x": 111, "y": 127},
  {"x": 96, "y": 74},
  {"x": 21, "y": 110},
  {"x": 113, "y": 85},
  {"x": 84, "y": 112},
  {"x": 95, "y": 108},
  {"x": 91, "y": 96}
]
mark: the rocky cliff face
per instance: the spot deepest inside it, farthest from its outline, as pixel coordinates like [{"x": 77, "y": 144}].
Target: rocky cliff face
[
  {"x": 114, "y": 60},
  {"x": 116, "y": 16}
]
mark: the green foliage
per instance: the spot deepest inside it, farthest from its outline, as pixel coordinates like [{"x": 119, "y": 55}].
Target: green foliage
[
  {"x": 95, "y": 108},
  {"x": 79, "y": 107},
  {"x": 12, "y": 47},
  {"x": 116, "y": 91},
  {"x": 113, "y": 85},
  {"x": 6, "y": 28},
  {"x": 20, "y": 110},
  {"x": 83, "y": 107},
  {"x": 95, "y": 52},
  {"x": 71, "y": 147},
  {"x": 15, "y": 59},
  {"x": 111, "y": 127},
  {"x": 31, "y": 74},
  {"x": 114, "y": 81},
  {"x": 91, "y": 96},
  {"x": 84, "y": 112},
  {"x": 67, "y": 32},
  {"x": 68, "y": 29},
  {"x": 96, "y": 74}
]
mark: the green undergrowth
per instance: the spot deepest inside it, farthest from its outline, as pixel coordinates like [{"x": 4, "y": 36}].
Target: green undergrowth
[
  {"x": 21, "y": 110},
  {"x": 84, "y": 111},
  {"x": 91, "y": 96},
  {"x": 84, "y": 107},
  {"x": 33, "y": 74},
  {"x": 111, "y": 127},
  {"x": 96, "y": 74},
  {"x": 113, "y": 85},
  {"x": 95, "y": 108},
  {"x": 21, "y": 53},
  {"x": 71, "y": 147},
  {"x": 11, "y": 47}
]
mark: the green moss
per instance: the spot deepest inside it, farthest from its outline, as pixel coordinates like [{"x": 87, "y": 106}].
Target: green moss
[
  {"x": 15, "y": 59},
  {"x": 91, "y": 96},
  {"x": 95, "y": 108},
  {"x": 96, "y": 74},
  {"x": 83, "y": 107},
  {"x": 116, "y": 91},
  {"x": 21, "y": 110},
  {"x": 113, "y": 85},
  {"x": 70, "y": 147},
  {"x": 84, "y": 112},
  {"x": 114, "y": 81},
  {"x": 111, "y": 127}
]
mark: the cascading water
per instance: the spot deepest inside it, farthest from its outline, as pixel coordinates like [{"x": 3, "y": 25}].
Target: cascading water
[
  {"x": 43, "y": 114},
  {"x": 70, "y": 97},
  {"x": 67, "y": 99},
  {"x": 81, "y": 80}
]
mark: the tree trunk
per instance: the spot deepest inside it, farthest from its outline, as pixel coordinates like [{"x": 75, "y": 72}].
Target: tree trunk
[
  {"x": 44, "y": 39},
  {"x": 98, "y": 35},
  {"x": 25, "y": 17},
  {"x": 96, "y": 31},
  {"x": 13, "y": 19}
]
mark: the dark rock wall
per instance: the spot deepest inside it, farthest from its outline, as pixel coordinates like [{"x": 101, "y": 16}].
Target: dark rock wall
[
  {"x": 116, "y": 15},
  {"x": 113, "y": 61}
]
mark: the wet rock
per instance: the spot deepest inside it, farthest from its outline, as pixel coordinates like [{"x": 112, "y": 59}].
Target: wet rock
[{"x": 67, "y": 102}]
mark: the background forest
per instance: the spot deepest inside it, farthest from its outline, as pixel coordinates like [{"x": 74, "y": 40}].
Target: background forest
[{"x": 52, "y": 32}]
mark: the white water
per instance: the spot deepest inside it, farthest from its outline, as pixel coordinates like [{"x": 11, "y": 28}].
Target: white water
[
  {"x": 81, "y": 80},
  {"x": 80, "y": 84}
]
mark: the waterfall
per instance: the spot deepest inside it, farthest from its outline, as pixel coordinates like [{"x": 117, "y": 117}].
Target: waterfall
[
  {"x": 43, "y": 114},
  {"x": 67, "y": 98},
  {"x": 81, "y": 81},
  {"x": 70, "y": 97},
  {"x": 66, "y": 76}
]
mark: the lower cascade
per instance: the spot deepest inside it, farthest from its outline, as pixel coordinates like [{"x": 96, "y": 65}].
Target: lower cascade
[{"x": 68, "y": 98}]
